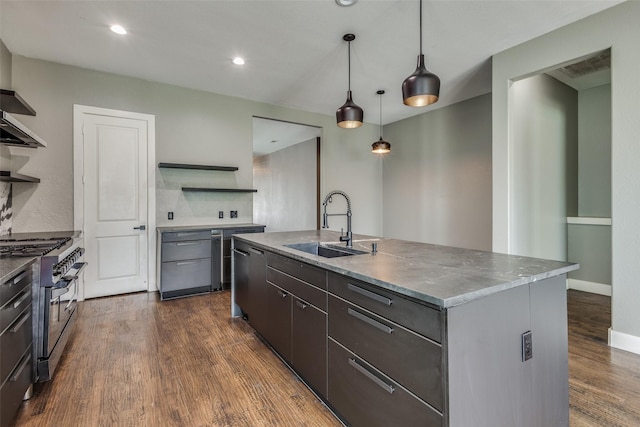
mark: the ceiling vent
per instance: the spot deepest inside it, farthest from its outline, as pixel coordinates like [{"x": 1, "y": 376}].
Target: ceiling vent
[{"x": 599, "y": 62}]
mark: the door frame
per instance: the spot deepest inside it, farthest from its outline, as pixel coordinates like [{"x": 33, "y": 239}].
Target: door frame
[{"x": 78, "y": 179}]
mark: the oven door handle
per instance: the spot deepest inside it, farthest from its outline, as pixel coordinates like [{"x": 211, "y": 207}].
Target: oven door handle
[{"x": 78, "y": 266}]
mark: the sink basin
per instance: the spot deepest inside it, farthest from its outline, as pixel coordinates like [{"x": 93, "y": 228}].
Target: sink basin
[{"x": 325, "y": 250}]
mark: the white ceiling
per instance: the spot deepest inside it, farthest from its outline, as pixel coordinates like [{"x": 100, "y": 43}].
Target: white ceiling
[{"x": 295, "y": 55}]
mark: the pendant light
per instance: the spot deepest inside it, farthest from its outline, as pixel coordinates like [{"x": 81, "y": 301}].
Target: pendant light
[
  {"x": 381, "y": 146},
  {"x": 421, "y": 88},
  {"x": 350, "y": 115}
]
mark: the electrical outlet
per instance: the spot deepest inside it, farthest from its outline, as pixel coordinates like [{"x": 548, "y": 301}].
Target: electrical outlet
[
  {"x": 220, "y": 214},
  {"x": 527, "y": 346},
  {"x": 170, "y": 215},
  {"x": 234, "y": 214}
]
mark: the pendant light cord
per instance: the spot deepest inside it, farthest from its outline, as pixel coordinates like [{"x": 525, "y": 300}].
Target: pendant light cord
[
  {"x": 380, "y": 116},
  {"x": 349, "y": 54},
  {"x": 420, "y": 27}
]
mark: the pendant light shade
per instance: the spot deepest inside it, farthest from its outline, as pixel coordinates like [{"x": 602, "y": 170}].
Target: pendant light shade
[
  {"x": 381, "y": 146},
  {"x": 350, "y": 115},
  {"x": 421, "y": 88}
]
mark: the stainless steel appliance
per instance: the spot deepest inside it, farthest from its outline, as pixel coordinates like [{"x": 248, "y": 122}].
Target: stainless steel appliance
[{"x": 55, "y": 294}]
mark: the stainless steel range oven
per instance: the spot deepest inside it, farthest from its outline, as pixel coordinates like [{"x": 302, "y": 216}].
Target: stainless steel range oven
[{"x": 55, "y": 294}]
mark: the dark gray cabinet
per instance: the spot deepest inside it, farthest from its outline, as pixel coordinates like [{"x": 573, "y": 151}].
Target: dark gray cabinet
[
  {"x": 251, "y": 284},
  {"x": 186, "y": 267},
  {"x": 379, "y": 358},
  {"x": 16, "y": 336},
  {"x": 309, "y": 348},
  {"x": 278, "y": 331}
]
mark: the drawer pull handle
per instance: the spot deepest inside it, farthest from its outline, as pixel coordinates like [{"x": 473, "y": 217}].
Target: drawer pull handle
[
  {"x": 256, "y": 251},
  {"x": 283, "y": 294},
  {"x": 188, "y": 243},
  {"x": 187, "y": 234},
  {"x": 241, "y": 253},
  {"x": 301, "y": 304},
  {"x": 369, "y": 294},
  {"x": 185, "y": 263},
  {"x": 17, "y": 326},
  {"x": 15, "y": 377},
  {"x": 364, "y": 371},
  {"x": 370, "y": 321},
  {"x": 21, "y": 300},
  {"x": 19, "y": 277}
]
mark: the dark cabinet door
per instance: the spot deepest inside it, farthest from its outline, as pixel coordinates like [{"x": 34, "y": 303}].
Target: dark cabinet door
[
  {"x": 241, "y": 272},
  {"x": 309, "y": 350},
  {"x": 258, "y": 316},
  {"x": 278, "y": 332}
]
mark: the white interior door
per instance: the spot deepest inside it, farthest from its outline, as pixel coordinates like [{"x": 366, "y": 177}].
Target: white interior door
[{"x": 115, "y": 205}]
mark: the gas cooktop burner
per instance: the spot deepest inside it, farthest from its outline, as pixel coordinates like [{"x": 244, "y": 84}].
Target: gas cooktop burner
[{"x": 30, "y": 247}]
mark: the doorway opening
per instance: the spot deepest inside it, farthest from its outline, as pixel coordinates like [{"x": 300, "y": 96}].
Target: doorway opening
[{"x": 286, "y": 173}]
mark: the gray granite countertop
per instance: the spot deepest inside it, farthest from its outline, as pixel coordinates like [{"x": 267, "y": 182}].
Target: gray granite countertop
[
  {"x": 440, "y": 275},
  {"x": 205, "y": 227}
]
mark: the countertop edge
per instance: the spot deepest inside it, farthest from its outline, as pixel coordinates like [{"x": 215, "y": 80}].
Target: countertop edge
[{"x": 445, "y": 303}]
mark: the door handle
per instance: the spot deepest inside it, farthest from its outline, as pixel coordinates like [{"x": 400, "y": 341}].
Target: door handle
[{"x": 142, "y": 227}]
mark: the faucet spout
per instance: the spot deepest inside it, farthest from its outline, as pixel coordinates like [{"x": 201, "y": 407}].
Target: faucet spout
[{"x": 325, "y": 216}]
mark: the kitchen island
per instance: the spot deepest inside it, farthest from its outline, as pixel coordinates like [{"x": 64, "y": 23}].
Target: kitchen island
[{"x": 411, "y": 334}]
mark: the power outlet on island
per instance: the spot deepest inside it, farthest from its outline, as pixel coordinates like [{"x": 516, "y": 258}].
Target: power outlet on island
[
  {"x": 220, "y": 214},
  {"x": 233, "y": 214},
  {"x": 169, "y": 215}
]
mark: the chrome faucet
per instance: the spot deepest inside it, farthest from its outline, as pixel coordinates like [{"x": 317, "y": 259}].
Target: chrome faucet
[{"x": 325, "y": 216}]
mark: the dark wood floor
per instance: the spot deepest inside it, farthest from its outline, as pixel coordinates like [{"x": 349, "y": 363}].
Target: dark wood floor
[{"x": 134, "y": 361}]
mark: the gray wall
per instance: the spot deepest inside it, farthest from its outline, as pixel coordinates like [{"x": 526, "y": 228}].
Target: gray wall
[
  {"x": 614, "y": 28},
  {"x": 594, "y": 156},
  {"x": 590, "y": 245},
  {"x": 5, "y": 67},
  {"x": 191, "y": 127},
  {"x": 286, "y": 182},
  {"x": 544, "y": 128},
  {"x": 437, "y": 178}
]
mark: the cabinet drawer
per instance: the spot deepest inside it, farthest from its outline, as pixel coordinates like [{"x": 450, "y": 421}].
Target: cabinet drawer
[
  {"x": 297, "y": 287},
  {"x": 305, "y": 272},
  {"x": 408, "y": 358},
  {"x": 10, "y": 311},
  {"x": 365, "y": 397},
  {"x": 14, "y": 341},
  {"x": 15, "y": 284},
  {"x": 14, "y": 388},
  {"x": 309, "y": 352},
  {"x": 191, "y": 249},
  {"x": 181, "y": 236},
  {"x": 178, "y": 275},
  {"x": 412, "y": 315}
]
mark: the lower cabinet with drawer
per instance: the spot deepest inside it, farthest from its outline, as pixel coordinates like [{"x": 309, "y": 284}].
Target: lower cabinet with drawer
[
  {"x": 16, "y": 338},
  {"x": 185, "y": 264}
]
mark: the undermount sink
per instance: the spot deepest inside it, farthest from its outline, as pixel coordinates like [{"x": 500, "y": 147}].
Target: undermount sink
[{"x": 325, "y": 250}]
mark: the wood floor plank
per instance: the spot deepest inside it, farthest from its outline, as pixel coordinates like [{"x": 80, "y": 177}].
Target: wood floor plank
[{"x": 136, "y": 361}]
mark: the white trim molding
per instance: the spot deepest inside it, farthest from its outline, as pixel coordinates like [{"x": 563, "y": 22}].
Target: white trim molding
[
  {"x": 585, "y": 286},
  {"x": 584, "y": 220},
  {"x": 623, "y": 341}
]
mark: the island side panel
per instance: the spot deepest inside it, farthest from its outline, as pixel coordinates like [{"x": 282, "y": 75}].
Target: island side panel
[
  {"x": 489, "y": 385},
  {"x": 550, "y": 351}
]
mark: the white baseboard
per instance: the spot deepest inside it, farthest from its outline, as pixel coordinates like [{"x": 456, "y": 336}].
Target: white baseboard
[
  {"x": 593, "y": 287},
  {"x": 624, "y": 341}
]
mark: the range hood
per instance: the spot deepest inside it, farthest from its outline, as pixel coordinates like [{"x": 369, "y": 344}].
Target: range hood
[{"x": 12, "y": 132}]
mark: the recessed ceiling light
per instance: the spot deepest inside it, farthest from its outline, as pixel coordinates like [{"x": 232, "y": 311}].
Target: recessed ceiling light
[
  {"x": 238, "y": 61},
  {"x": 273, "y": 141},
  {"x": 118, "y": 29},
  {"x": 346, "y": 3}
]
